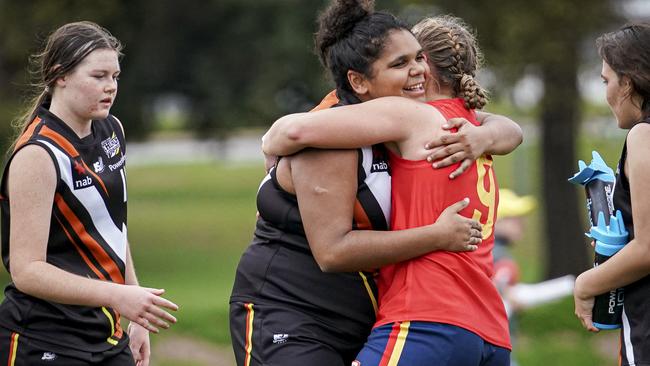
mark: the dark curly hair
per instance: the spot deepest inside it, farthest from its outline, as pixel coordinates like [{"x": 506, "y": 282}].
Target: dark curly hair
[{"x": 351, "y": 36}]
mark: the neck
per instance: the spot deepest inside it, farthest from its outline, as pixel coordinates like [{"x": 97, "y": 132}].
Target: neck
[
  {"x": 80, "y": 126},
  {"x": 435, "y": 91}
]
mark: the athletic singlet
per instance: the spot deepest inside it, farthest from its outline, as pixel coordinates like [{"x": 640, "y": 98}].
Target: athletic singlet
[
  {"x": 635, "y": 338},
  {"x": 278, "y": 267},
  {"x": 87, "y": 233},
  {"x": 445, "y": 287}
]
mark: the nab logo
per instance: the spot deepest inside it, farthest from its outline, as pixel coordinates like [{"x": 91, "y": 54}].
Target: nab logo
[
  {"x": 80, "y": 174},
  {"x": 379, "y": 160},
  {"x": 381, "y": 166}
]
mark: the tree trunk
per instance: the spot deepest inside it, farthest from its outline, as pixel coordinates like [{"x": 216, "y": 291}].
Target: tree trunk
[{"x": 560, "y": 116}]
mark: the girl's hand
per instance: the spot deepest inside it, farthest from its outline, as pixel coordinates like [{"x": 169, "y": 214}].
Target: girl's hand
[
  {"x": 466, "y": 145},
  {"x": 462, "y": 234},
  {"x": 139, "y": 344},
  {"x": 144, "y": 306},
  {"x": 584, "y": 305}
]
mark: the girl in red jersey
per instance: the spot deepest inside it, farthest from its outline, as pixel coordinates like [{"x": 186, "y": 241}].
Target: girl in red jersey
[
  {"x": 63, "y": 200},
  {"x": 441, "y": 308},
  {"x": 626, "y": 74}
]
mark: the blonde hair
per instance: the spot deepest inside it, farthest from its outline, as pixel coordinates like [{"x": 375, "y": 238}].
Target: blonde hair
[{"x": 451, "y": 49}]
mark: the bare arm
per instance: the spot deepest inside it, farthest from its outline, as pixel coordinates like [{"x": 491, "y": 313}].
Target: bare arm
[
  {"x": 497, "y": 135},
  {"x": 372, "y": 122},
  {"x": 633, "y": 261},
  {"x": 326, "y": 182},
  {"x": 32, "y": 183},
  {"x": 502, "y": 133}
]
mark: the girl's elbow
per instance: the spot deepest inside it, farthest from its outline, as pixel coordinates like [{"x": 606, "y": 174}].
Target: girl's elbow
[
  {"x": 21, "y": 280},
  {"x": 329, "y": 263}
]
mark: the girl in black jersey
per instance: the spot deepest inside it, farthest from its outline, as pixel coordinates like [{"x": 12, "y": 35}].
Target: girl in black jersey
[
  {"x": 626, "y": 74},
  {"x": 63, "y": 200},
  {"x": 300, "y": 294}
]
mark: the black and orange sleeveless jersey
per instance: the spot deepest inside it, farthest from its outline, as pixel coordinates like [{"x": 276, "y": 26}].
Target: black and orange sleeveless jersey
[
  {"x": 87, "y": 234},
  {"x": 278, "y": 270}
]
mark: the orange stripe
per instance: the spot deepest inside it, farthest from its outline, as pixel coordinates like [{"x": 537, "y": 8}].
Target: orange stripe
[
  {"x": 60, "y": 140},
  {"x": 13, "y": 346},
  {"x": 392, "y": 339},
  {"x": 101, "y": 182},
  {"x": 329, "y": 100},
  {"x": 361, "y": 217},
  {"x": 28, "y": 133},
  {"x": 118, "y": 325},
  {"x": 81, "y": 252},
  {"x": 97, "y": 251},
  {"x": 67, "y": 146},
  {"x": 248, "y": 348}
]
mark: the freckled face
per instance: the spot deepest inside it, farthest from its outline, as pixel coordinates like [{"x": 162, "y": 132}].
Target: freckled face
[
  {"x": 89, "y": 90},
  {"x": 400, "y": 70},
  {"x": 619, "y": 98}
]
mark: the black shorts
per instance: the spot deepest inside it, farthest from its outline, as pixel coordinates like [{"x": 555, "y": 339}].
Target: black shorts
[
  {"x": 275, "y": 335},
  {"x": 18, "y": 350}
]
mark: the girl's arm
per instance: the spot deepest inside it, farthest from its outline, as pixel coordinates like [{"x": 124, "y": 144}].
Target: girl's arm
[
  {"x": 32, "y": 184},
  {"x": 633, "y": 261},
  {"x": 497, "y": 135},
  {"x": 372, "y": 122},
  {"x": 325, "y": 183}
]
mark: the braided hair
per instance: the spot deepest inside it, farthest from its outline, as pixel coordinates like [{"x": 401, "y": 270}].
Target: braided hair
[{"x": 452, "y": 50}]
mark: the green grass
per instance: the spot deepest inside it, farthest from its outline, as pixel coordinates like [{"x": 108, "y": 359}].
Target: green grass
[{"x": 188, "y": 226}]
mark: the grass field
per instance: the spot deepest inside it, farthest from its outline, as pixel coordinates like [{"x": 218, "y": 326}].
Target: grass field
[{"x": 189, "y": 224}]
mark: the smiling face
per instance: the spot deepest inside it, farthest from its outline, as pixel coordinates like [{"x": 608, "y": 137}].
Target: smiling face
[
  {"x": 621, "y": 98},
  {"x": 89, "y": 90},
  {"x": 399, "y": 71}
]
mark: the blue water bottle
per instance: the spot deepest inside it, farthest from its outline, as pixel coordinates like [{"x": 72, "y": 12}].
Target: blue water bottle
[
  {"x": 607, "y": 230},
  {"x": 598, "y": 180},
  {"x": 608, "y": 307}
]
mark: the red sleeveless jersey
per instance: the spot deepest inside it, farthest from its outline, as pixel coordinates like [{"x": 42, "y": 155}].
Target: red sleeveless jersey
[{"x": 444, "y": 287}]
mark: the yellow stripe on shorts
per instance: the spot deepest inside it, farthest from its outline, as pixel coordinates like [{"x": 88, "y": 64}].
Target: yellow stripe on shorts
[{"x": 399, "y": 344}]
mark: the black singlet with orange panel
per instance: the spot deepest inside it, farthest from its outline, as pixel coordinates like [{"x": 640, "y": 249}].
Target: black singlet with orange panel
[
  {"x": 284, "y": 309},
  {"x": 87, "y": 235}
]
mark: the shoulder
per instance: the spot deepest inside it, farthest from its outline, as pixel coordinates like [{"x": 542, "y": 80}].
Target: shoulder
[
  {"x": 407, "y": 110},
  {"x": 324, "y": 157},
  {"x": 638, "y": 137},
  {"x": 36, "y": 155},
  {"x": 32, "y": 163}
]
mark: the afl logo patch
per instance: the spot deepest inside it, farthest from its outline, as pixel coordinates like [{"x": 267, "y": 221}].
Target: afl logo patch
[{"x": 111, "y": 146}]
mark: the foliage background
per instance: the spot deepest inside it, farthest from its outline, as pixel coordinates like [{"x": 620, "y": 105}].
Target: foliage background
[{"x": 212, "y": 69}]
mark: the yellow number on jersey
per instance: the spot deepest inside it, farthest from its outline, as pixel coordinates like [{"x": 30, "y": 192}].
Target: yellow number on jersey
[{"x": 487, "y": 197}]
